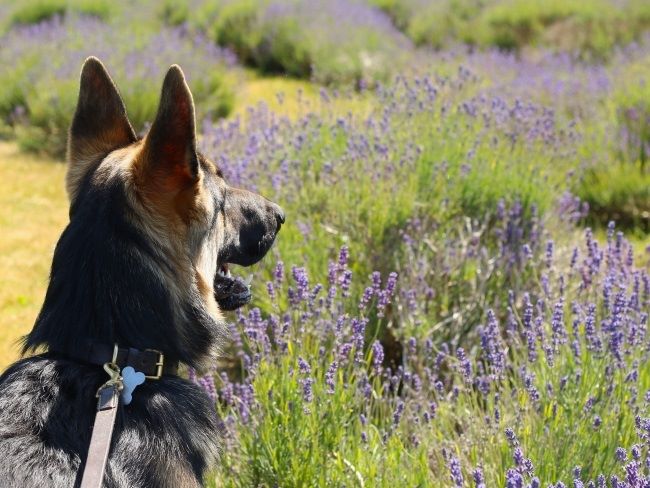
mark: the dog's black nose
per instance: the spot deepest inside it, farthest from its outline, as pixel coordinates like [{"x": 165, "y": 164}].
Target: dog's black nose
[{"x": 279, "y": 215}]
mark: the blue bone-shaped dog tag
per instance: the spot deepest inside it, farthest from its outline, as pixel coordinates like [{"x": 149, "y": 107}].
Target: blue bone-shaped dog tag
[{"x": 131, "y": 378}]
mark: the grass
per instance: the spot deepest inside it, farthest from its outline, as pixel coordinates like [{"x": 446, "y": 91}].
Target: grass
[
  {"x": 34, "y": 212},
  {"x": 265, "y": 90}
]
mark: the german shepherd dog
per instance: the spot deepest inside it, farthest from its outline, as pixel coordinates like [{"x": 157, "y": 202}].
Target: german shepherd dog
[{"x": 143, "y": 263}]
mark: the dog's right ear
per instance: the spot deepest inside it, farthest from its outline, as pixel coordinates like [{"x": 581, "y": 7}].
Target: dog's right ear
[{"x": 100, "y": 124}]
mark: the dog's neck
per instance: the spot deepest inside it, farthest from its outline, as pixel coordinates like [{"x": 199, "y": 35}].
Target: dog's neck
[{"x": 106, "y": 285}]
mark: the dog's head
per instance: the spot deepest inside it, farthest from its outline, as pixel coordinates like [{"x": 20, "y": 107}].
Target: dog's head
[{"x": 159, "y": 217}]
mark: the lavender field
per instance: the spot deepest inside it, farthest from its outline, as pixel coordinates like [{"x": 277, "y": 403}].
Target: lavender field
[{"x": 460, "y": 294}]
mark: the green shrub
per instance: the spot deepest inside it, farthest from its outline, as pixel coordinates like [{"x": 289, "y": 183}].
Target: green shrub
[
  {"x": 619, "y": 193},
  {"x": 631, "y": 99},
  {"x": 174, "y": 13},
  {"x": 236, "y": 27},
  {"x": 593, "y": 28},
  {"x": 35, "y": 11}
]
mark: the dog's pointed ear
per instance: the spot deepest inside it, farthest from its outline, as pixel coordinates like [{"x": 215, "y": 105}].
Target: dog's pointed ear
[
  {"x": 100, "y": 123},
  {"x": 169, "y": 159}
]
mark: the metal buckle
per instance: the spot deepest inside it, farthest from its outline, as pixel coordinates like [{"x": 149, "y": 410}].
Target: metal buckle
[
  {"x": 159, "y": 364},
  {"x": 113, "y": 370}
]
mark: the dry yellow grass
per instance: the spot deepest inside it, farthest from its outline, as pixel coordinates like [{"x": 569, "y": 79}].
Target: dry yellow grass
[
  {"x": 33, "y": 213},
  {"x": 297, "y": 97}
]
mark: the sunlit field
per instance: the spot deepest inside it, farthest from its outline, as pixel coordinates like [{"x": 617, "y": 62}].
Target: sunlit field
[
  {"x": 460, "y": 294},
  {"x": 34, "y": 213}
]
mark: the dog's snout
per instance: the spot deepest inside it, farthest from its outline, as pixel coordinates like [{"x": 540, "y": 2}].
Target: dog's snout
[
  {"x": 279, "y": 215},
  {"x": 254, "y": 222}
]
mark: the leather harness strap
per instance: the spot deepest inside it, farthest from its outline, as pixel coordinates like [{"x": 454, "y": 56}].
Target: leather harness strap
[{"x": 100, "y": 441}]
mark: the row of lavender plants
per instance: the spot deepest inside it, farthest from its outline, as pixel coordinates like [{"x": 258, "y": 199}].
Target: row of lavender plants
[
  {"x": 42, "y": 63},
  {"x": 437, "y": 162},
  {"x": 332, "y": 42},
  {"x": 433, "y": 325},
  {"x": 460, "y": 337},
  {"x": 555, "y": 394}
]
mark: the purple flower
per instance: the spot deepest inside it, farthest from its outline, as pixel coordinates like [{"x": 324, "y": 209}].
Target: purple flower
[
  {"x": 344, "y": 256},
  {"x": 412, "y": 344},
  {"x": 492, "y": 344},
  {"x": 207, "y": 383},
  {"x": 278, "y": 272},
  {"x": 549, "y": 254},
  {"x": 512, "y": 438},
  {"x": 303, "y": 366},
  {"x": 557, "y": 324},
  {"x": 386, "y": 294},
  {"x": 514, "y": 479},
  {"x": 455, "y": 471},
  {"x": 577, "y": 471},
  {"x": 330, "y": 380},
  {"x": 366, "y": 297},
  {"x": 302, "y": 282},
  {"x": 633, "y": 476},
  {"x": 345, "y": 281},
  {"x": 307, "y": 392},
  {"x": 397, "y": 413},
  {"x": 377, "y": 356},
  {"x": 479, "y": 479},
  {"x": 518, "y": 456}
]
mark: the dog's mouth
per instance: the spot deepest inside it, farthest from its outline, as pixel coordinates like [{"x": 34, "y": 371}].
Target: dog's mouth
[{"x": 230, "y": 292}]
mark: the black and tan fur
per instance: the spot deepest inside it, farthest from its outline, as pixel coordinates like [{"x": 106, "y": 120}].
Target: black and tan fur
[{"x": 152, "y": 223}]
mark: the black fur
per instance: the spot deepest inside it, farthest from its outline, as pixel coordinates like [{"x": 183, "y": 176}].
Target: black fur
[
  {"x": 166, "y": 437},
  {"x": 102, "y": 287}
]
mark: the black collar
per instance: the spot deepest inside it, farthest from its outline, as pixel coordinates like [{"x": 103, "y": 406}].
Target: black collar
[{"x": 149, "y": 361}]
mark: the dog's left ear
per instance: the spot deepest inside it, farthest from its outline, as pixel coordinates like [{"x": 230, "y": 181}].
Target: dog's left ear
[{"x": 169, "y": 159}]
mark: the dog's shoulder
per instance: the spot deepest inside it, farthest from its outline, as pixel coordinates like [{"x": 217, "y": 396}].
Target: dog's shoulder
[
  {"x": 47, "y": 408},
  {"x": 41, "y": 417},
  {"x": 43, "y": 380}
]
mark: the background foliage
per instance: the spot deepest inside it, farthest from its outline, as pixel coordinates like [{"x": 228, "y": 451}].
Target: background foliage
[{"x": 448, "y": 303}]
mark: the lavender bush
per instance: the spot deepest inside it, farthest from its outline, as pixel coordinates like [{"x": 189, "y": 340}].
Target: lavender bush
[
  {"x": 555, "y": 392},
  {"x": 334, "y": 41},
  {"x": 593, "y": 28},
  {"x": 35, "y": 11},
  {"x": 435, "y": 162},
  {"x": 499, "y": 354},
  {"x": 39, "y": 91},
  {"x": 619, "y": 190}
]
